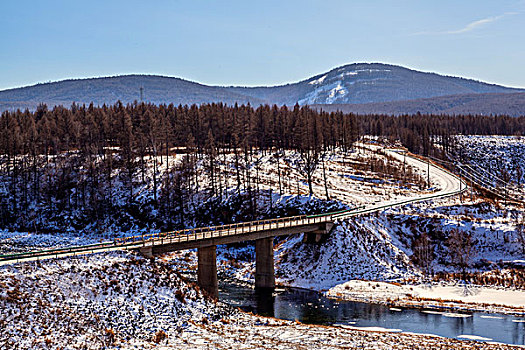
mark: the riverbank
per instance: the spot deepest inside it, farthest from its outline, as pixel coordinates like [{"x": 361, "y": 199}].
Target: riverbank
[
  {"x": 457, "y": 297},
  {"x": 251, "y": 332}
]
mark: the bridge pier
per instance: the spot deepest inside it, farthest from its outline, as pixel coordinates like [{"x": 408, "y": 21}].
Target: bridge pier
[
  {"x": 314, "y": 229},
  {"x": 207, "y": 270},
  {"x": 264, "y": 267}
]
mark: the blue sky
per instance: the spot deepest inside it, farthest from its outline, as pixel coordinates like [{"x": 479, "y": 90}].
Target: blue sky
[{"x": 258, "y": 42}]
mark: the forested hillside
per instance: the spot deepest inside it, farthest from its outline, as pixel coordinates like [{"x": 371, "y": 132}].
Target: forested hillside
[
  {"x": 360, "y": 83},
  {"x": 142, "y": 164},
  {"x": 127, "y": 88},
  {"x": 85, "y": 164},
  {"x": 512, "y": 104}
]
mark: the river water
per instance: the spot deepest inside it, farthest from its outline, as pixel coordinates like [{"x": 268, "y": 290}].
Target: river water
[{"x": 312, "y": 307}]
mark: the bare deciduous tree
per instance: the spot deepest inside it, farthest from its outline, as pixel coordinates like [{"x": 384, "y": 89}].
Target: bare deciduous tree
[
  {"x": 423, "y": 253},
  {"x": 520, "y": 233},
  {"x": 461, "y": 248}
]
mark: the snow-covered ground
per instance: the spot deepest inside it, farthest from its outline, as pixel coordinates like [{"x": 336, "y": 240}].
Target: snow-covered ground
[
  {"x": 92, "y": 301},
  {"x": 123, "y": 301},
  {"x": 459, "y": 296}
]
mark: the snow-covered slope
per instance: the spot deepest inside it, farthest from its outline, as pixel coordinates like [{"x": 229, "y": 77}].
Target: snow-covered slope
[
  {"x": 369, "y": 82},
  {"x": 356, "y": 249},
  {"x": 496, "y": 157},
  {"x": 95, "y": 301},
  {"x": 117, "y": 301}
]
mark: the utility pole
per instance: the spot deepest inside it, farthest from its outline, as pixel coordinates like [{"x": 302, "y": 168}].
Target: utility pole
[
  {"x": 428, "y": 172},
  {"x": 141, "y": 94},
  {"x": 404, "y": 166},
  {"x": 505, "y": 184}
]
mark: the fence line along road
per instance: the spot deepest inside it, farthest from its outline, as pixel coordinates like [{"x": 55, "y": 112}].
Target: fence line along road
[{"x": 451, "y": 185}]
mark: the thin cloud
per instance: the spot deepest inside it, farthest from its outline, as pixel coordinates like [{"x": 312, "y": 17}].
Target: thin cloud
[{"x": 471, "y": 26}]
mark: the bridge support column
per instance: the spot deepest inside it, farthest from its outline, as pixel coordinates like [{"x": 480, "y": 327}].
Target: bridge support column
[
  {"x": 207, "y": 270},
  {"x": 264, "y": 269}
]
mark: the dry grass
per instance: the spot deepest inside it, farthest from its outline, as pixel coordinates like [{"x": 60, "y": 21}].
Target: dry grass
[{"x": 508, "y": 278}]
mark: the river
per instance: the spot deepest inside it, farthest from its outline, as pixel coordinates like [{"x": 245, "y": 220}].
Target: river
[{"x": 313, "y": 308}]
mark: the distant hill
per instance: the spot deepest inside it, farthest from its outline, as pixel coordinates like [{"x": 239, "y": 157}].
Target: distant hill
[
  {"x": 512, "y": 104},
  {"x": 353, "y": 83},
  {"x": 367, "y": 83},
  {"x": 126, "y": 88}
]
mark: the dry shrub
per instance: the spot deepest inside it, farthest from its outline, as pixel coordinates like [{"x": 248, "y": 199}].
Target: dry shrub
[
  {"x": 511, "y": 278},
  {"x": 48, "y": 341},
  {"x": 110, "y": 336},
  {"x": 159, "y": 337},
  {"x": 179, "y": 295}
]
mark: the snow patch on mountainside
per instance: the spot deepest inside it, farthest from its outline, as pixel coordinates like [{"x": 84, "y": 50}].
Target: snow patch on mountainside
[
  {"x": 318, "y": 81},
  {"x": 334, "y": 87}
]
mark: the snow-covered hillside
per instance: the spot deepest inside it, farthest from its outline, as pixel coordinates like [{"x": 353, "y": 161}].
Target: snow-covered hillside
[
  {"x": 361, "y": 176},
  {"x": 353, "y": 178},
  {"x": 96, "y": 301},
  {"x": 123, "y": 301},
  {"x": 500, "y": 157}
]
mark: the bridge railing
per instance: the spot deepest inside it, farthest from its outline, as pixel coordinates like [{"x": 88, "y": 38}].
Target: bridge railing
[
  {"x": 187, "y": 234},
  {"x": 224, "y": 230},
  {"x": 228, "y": 229},
  {"x": 396, "y": 204},
  {"x": 52, "y": 251}
]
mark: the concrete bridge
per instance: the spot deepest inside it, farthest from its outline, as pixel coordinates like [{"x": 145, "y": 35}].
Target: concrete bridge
[
  {"x": 262, "y": 232},
  {"x": 205, "y": 240}
]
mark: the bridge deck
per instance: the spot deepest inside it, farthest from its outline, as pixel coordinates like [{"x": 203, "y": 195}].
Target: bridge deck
[{"x": 189, "y": 238}]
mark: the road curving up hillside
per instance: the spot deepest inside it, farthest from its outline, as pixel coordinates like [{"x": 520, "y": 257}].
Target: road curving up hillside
[{"x": 446, "y": 183}]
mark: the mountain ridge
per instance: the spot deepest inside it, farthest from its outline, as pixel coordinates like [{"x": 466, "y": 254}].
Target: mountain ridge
[
  {"x": 355, "y": 83},
  {"x": 370, "y": 82}
]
